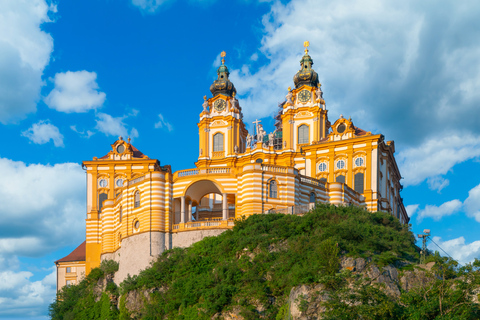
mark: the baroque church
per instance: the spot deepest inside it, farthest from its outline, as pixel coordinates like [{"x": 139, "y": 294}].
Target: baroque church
[{"x": 136, "y": 208}]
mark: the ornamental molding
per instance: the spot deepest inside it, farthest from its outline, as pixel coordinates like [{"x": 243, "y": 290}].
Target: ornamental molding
[
  {"x": 304, "y": 114},
  {"x": 219, "y": 123}
]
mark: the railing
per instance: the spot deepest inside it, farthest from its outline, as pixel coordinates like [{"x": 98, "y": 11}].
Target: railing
[
  {"x": 215, "y": 223},
  {"x": 310, "y": 180},
  {"x": 218, "y": 170},
  {"x": 189, "y": 172},
  {"x": 131, "y": 182},
  {"x": 275, "y": 169},
  {"x": 218, "y": 154}
]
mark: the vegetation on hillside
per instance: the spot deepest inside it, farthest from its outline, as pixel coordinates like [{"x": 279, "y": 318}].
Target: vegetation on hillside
[{"x": 254, "y": 267}]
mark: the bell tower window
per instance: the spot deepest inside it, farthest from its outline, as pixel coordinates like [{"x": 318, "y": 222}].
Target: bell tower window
[
  {"x": 218, "y": 142},
  {"x": 303, "y": 134}
]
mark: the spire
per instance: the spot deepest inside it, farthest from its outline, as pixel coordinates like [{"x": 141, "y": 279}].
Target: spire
[
  {"x": 222, "y": 84},
  {"x": 306, "y": 75}
]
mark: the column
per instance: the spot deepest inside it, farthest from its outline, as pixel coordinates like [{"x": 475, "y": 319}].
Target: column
[
  {"x": 196, "y": 213},
  {"x": 189, "y": 218},
  {"x": 225, "y": 206},
  {"x": 182, "y": 209}
]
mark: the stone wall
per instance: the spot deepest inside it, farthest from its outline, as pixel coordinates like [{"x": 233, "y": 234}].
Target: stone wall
[{"x": 186, "y": 239}]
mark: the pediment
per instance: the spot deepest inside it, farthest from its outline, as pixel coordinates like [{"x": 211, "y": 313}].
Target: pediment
[{"x": 219, "y": 123}]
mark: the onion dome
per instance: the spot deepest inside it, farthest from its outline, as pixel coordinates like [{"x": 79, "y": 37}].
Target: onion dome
[
  {"x": 222, "y": 84},
  {"x": 306, "y": 75}
]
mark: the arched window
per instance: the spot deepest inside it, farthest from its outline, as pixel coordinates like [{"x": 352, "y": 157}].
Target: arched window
[
  {"x": 101, "y": 197},
  {"x": 218, "y": 142},
  {"x": 303, "y": 134},
  {"x": 340, "y": 178},
  {"x": 137, "y": 199},
  {"x": 121, "y": 213},
  {"x": 358, "y": 182},
  {"x": 313, "y": 197},
  {"x": 273, "y": 189}
]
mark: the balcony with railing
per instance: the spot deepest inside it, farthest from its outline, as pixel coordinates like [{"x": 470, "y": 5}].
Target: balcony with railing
[
  {"x": 207, "y": 171},
  {"x": 204, "y": 224}
]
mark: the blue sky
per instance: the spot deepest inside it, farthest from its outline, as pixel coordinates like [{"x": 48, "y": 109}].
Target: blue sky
[{"x": 74, "y": 75}]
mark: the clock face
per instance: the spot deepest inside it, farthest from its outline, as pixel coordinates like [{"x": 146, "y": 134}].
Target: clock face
[
  {"x": 304, "y": 96},
  {"x": 220, "y": 105}
]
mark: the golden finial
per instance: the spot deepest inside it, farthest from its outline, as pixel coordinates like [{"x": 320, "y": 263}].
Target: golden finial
[
  {"x": 204, "y": 97},
  {"x": 289, "y": 89},
  {"x": 129, "y": 139},
  {"x": 223, "y": 54},
  {"x": 306, "y": 44}
]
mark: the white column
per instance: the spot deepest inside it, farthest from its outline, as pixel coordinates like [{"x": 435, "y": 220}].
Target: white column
[
  {"x": 182, "y": 209},
  {"x": 225, "y": 206},
  {"x": 189, "y": 218}
]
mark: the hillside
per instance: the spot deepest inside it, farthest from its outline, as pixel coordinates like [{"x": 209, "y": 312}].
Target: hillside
[{"x": 334, "y": 262}]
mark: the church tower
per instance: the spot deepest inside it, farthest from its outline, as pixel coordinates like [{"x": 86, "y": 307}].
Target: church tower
[
  {"x": 222, "y": 132},
  {"x": 304, "y": 115}
]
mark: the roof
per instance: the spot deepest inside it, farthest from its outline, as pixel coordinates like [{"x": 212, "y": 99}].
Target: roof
[
  {"x": 76, "y": 255},
  {"x": 136, "y": 153},
  {"x": 359, "y": 132}
]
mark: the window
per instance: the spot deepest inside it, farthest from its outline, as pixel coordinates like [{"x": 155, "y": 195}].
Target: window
[
  {"x": 359, "y": 182},
  {"x": 69, "y": 282},
  {"x": 303, "y": 134},
  {"x": 322, "y": 167},
  {"x": 340, "y": 178},
  {"x": 69, "y": 269},
  {"x": 273, "y": 189},
  {"x": 340, "y": 164},
  {"x": 359, "y": 162},
  {"x": 101, "y": 197},
  {"x": 136, "y": 225},
  {"x": 137, "y": 199},
  {"x": 218, "y": 142},
  {"x": 121, "y": 214},
  {"x": 312, "y": 197}
]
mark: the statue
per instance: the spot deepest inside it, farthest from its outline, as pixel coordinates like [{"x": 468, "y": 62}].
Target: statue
[
  {"x": 249, "y": 140},
  {"x": 205, "y": 104},
  {"x": 235, "y": 149},
  {"x": 234, "y": 103},
  {"x": 260, "y": 134},
  {"x": 270, "y": 139},
  {"x": 289, "y": 96},
  {"x": 319, "y": 93}
]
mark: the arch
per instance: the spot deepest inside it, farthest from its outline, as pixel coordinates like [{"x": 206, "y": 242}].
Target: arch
[
  {"x": 273, "y": 189},
  {"x": 136, "y": 199},
  {"x": 218, "y": 142},
  {"x": 196, "y": 190},
  {"x": 303, "y": 134},
  {"x": 358, "y": 184},
  {"x": 101, "y": 197}
]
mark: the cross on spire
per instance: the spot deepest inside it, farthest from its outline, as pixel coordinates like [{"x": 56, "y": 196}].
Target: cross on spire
[{"x": 256, "y": 122}]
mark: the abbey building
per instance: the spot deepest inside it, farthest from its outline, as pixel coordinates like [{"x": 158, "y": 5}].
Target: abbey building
[{"x": 137, "y": 208}]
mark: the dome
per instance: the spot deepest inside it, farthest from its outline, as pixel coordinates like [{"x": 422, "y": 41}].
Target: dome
[
  {"x": 306, "y": 75},
  {"x": 222, "y": 85}
]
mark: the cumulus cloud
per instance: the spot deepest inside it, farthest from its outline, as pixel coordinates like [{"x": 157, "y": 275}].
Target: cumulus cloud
[
  {"x": 436, "y": 157},
  {"x": 411, "y": 209},
  {"x": 114, "y": 126},
  {"x": 42, "y": 132},
  {"x": 457, "y": 248},
  {"x": 53, "y": 219},
  {"x": 75, "y": 92},
  {"x": 404, "y": 69},
  {"x": 472, "y": 203},
  {"x": 163, "y": 124},
  {"x": 24, "y": 53},
  {"x": 437, "y": 213}
]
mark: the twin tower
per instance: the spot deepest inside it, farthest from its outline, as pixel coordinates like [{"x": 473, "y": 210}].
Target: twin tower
[{"x": 137, "y": 208}]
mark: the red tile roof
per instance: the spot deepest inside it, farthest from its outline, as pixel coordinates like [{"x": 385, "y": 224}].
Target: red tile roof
[
  {"x": 136, "y": 153},
  {"x": 360, "y": 132},
  {"x": 76, "y": 255}
]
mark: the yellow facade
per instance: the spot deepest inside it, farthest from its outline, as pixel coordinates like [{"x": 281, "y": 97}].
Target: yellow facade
[{"x": 133, "y": 201}]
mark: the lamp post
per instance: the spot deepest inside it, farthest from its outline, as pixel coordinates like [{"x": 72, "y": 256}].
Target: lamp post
[{"x": 424, "y": 236}]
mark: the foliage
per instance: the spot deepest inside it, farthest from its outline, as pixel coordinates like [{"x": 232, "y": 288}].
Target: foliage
[
  {"x": 109, "y": 266},
  {"x": 261, "y": 260}
]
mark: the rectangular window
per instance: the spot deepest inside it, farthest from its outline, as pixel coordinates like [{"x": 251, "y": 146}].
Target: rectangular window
[
  {"x": 69, "y": 269},
  {"x": 303, "y": 134},
  {"x": 218, "y": 142},
  {"x": 69, "y": 282}
]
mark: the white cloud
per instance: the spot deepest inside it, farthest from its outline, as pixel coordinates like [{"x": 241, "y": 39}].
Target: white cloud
[
  {"x": 405, "y": 69},
  {"x": 162, "y": 123},
  {"x": 24, "y": 53},
  {"x": 149, "y": 6},
  {"x": 437, "y": 213},
  {"x": 43, "y": 210},
  {"x": 472, "y": 203},
  {"x": 75, "y": 92},
  {"x": 42, "y": 132},
  {"x": 411, "y": 209},
  {"x": 436, "y": 157},
  {"x": 85, "y": 134},
  {"x": 457, "y": 248},
  {"x": 437, "y": 183},
  {"x": 114, "y": 126}
]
